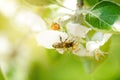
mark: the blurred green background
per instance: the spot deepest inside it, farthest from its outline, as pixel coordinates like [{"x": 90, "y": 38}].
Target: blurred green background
[{"x": 22, "y": 59}]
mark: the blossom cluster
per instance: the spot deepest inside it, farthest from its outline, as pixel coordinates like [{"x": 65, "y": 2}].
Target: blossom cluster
[{"x": 73, "y": 39}]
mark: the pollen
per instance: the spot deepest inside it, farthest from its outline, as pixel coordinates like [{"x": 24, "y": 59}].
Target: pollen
[{"x": 55, "y": 26}]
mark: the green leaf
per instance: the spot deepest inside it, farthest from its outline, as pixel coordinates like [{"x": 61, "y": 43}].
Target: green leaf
[
  {"x": 118, "y": 1},
  {"x": 91, "y": 2},
  {"x": 104, "y": 16}
]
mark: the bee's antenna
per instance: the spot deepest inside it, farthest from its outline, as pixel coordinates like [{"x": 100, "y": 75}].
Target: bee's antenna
[{"x": 66, "y": 39}]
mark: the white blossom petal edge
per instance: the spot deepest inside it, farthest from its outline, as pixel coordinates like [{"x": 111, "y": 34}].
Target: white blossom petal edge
[{"x": 49, "y": 37}]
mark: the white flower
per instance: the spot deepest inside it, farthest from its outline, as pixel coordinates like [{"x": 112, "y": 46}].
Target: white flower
[
  {"x": 98, "y": 40},
  {"x": 49, "y": 37},
  {"x": 80, "y": 51},
  {"x": 93, "y": 46},
  {"x": 101, "y": 38},
  {"x": 77, "y": 30}
]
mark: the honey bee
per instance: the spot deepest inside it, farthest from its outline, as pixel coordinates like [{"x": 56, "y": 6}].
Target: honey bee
[
  {"x": 64, "y": 44},
  {"x": 55, "y": 26}
]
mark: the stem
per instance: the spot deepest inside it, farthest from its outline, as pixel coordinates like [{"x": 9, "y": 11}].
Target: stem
[
  {"x": 80, "y": 3},
  {"x": 78, "y": 18}
]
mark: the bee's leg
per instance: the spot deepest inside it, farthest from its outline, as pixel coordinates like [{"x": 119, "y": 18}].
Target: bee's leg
[{"x": 60, "y": 39}]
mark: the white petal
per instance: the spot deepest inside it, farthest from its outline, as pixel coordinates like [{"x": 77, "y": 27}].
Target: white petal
[
  {"x": 49, "y": 37},
  {"x": 106, "y": 37},
  {"x": 101, "y": 38},
  {"x": 92, "y": 45},
  {"x": 77, "y": 29},
  {"x": 98, "y": 36},
  {"x": 69, "y": 8},
  {"x": 81, "y": 51}
]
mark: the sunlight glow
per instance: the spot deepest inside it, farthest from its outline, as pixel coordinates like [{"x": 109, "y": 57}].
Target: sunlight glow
[
  {"x": 4, "y": 45},
  {"x": 31, "y": 20},
  {"x": 8, "y": 7}
]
